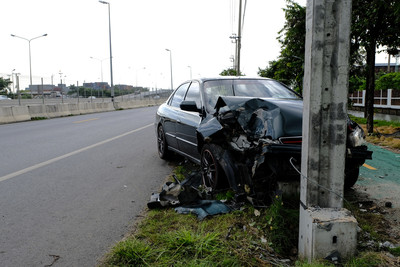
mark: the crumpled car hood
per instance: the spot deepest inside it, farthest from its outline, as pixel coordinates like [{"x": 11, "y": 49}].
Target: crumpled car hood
[{"x": 257, "y": 117}]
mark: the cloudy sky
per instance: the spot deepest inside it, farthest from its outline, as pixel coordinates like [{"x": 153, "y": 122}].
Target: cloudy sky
[{"x": 196, "y": 31}]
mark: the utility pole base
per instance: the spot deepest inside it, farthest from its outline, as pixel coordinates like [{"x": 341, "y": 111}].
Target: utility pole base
[{"x": 324, "y": 231}]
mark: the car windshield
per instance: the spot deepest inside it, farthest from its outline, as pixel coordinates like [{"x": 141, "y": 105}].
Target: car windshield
[{"x": 247, "y": 88}]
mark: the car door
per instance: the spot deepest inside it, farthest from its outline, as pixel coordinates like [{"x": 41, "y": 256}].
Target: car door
[
  {"x": 172, "y": 115},
  {"x": 188, "y": 123}
]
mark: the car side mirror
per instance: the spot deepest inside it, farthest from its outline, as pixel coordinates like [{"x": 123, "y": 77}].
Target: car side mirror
[{"x": 189, "y": 106}]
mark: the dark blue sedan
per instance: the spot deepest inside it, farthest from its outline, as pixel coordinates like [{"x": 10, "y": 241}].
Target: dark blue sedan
[{"x": 245, "y": 133}]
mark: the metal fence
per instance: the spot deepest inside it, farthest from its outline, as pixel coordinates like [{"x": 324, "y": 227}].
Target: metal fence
[{"x": 388, "y": 99}]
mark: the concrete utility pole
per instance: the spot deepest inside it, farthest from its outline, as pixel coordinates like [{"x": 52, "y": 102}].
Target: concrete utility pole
[
  {"x": 325, "y": 227},
  {"x": 239, "y": 40}
]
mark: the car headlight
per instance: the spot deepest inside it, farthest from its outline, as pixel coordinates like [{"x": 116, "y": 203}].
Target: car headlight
[{"x": 357, "y": 137}]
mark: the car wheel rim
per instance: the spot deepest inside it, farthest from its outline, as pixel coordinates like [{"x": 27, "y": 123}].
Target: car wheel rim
[
  {"x": 161, "y": 141},
  {"x": 209, "y": 169}
]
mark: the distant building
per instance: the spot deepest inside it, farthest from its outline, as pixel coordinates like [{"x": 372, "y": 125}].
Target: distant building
[
  {"x": 97, "y": 86},
  {"x": 47, "y": 90},
  {"x": 383, "y": 67},
  {"x": 124, "y": 87}
]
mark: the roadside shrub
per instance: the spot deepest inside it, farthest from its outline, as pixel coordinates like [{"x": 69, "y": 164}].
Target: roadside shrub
[{"x": 388, "y": 81}]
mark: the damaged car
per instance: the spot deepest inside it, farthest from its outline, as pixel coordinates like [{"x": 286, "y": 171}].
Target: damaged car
[{"x": 245, "y": 133}]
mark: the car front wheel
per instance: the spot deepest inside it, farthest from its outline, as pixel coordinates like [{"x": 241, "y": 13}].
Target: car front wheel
[
  {"x": 210, "y": 168},
  {"x": 162, "y": 143}
]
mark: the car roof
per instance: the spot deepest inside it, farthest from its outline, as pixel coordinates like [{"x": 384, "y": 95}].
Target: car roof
[{"x": 204, "y": 79}]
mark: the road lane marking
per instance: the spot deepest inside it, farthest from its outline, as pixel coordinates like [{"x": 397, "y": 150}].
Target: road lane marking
[
  {"x": 369, "y": 167},
  {"x": 45, "y": 163},
  {"x": 86, "y": 120}
]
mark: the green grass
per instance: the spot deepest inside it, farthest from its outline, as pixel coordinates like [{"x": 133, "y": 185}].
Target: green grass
[
  {"x": 367, "y": 259},
  {"x": 131, "y": 252},
  {"x": 38, "y": 118},
  {"x": 395, "y": 251},
  {"x": 245, "y": 237},
  {"x": 239, "y": 238},
  {"x": 166, "y": 238},
  {"x": 377, "y": 123},
  {"x": 282, "y": 224}
]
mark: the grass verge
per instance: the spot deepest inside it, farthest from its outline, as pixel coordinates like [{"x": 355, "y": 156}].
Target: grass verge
[
  {"x": 245, "y": 237},
  {"x": 386, "y": 133}
]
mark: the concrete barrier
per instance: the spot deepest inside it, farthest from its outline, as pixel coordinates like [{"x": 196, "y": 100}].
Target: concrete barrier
[
  {"x": 38, "y": 111},
  {"x": 74, "y": 109},
  {"x": 21, "y": 113},
  {"x": 51, "y": 111},
  {"x": 14, "y": 114},
  {"x": 26, "y": 113},
  {"x": 103, "y": 107},
  {"x": 6, "y": 115},
  {"x": 138, "y": 103},
  {"x": 62, "y": 110}
]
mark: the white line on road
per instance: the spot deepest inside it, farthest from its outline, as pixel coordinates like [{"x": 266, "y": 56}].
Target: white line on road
[{"x": 45, "y": 163}]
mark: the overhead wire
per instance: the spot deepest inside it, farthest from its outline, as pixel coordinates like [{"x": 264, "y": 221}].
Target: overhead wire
[{"x": 315, "y": 182}]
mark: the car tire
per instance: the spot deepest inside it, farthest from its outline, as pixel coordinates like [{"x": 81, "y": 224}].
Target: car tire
[
  {"x": 351, "y": 177},
  {"x": 162, "y": 145},
  {"x": 210, "y": 169}
]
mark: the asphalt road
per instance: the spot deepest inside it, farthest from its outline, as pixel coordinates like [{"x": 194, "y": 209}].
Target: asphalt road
[{"x": 71, "y": 187}]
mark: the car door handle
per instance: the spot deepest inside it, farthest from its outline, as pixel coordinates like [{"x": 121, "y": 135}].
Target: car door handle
[{"x": 178, "y": 121}]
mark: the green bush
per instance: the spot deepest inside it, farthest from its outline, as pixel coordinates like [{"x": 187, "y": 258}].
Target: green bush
[{"x": 388, "y": 81}]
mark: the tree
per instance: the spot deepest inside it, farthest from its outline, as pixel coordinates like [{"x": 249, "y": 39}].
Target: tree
[
  {"x": 374, "y": 23},
  {"x": 230, "y": 72},
  {"x": 389, "y": 81},
  {"x": 289, "y": 67},
  {"x": 4, "y": 83}
]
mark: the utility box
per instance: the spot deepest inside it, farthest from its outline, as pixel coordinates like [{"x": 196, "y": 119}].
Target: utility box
[{"x": 325, "y": 231}]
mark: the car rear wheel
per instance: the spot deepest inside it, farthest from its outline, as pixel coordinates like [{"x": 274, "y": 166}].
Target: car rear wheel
[
  {"x": 210, "y": 168},
  {"x": 162, "y": 143}
]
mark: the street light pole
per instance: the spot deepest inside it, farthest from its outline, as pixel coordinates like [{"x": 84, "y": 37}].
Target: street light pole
[
  {"x": 170, "y": 63},
  {"x": 29, "y": 42},
  {"x": 190, "y": 67},
  {"x": 101, "y": 69},
  {"x": 109, "y": 33},
  {"x": 12, "y": 79},
  {"x": 61, "y": 87},
  {"x": 239, "y": 41},
  {"x": 101, "y": 66}
]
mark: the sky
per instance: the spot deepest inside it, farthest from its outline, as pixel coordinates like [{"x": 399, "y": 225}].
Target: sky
[{"x": 77, "y": 43}]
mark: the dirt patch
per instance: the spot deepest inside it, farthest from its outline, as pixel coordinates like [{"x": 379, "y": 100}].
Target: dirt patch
[{"x": 389, "y": 227}]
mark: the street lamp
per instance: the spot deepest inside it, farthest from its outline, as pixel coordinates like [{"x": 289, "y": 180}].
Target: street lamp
[
  {"x": 109, "y": 33},
  {"x": 101, "y": 69},
  {"x": 170, "y": 63},
  {"x": 12, "y": 79},
  {"x": 61, "y": 87},
  {"x": 29, "y": 41},
  {"x": 101, "y": 65}
]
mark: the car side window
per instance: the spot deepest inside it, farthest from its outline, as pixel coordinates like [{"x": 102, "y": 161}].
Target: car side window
[
  {"x": 179, "y": 95},
  {"x": 193, "y": 94}
]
